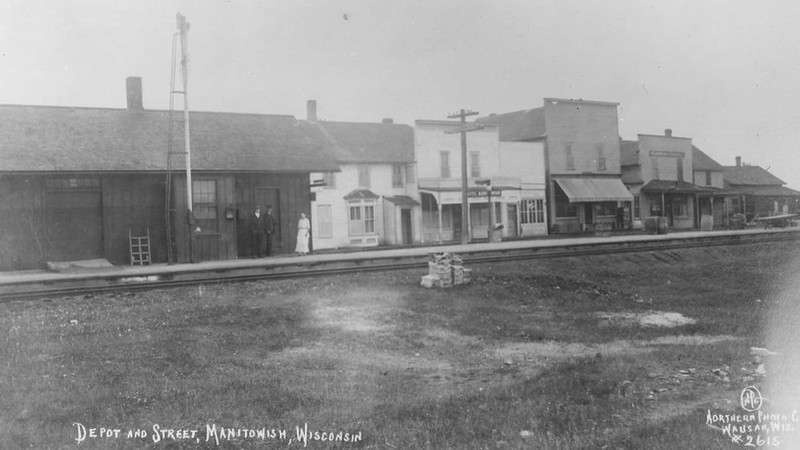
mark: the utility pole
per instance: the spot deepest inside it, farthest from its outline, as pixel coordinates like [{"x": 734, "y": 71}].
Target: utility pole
[
  {"x": 183, "y": 28},
  {"x": 464, "y": 129}
]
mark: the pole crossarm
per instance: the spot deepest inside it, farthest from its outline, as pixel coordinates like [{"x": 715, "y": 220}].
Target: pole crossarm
[
  {"x": 464, "y": 113},
  {"x": 466, "y": 129}
]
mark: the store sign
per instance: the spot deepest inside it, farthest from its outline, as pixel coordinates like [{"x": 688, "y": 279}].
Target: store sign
[
  {"x": 484, "y": 193},
  {"x": 450, "y": 198}
]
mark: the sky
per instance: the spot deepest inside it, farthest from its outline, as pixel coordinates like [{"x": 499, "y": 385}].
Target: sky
[{"x": 725, "y": 73}]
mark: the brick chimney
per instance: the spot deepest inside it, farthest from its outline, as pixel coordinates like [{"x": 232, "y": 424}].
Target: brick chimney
[
  {"x": 668, "y": 132},
  {"x": 738, "y": 161},
  {"x": 311, "y": 111},
  {"x": 133, "y": 86}
]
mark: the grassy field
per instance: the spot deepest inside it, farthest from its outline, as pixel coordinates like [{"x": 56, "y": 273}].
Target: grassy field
[{"x": 561, "y": 353}]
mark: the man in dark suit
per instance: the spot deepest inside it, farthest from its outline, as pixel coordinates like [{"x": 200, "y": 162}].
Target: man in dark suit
[
  {"x": 257, "y": 233},
  {"x": 269, "y": 228}
]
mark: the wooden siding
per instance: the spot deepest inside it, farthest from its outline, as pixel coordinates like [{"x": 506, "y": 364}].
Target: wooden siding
[
  {"x": 30, "y": 232},
  {"x": 293, "y": 197},
  {"x": 134, "y": 202},
  {"x": 22, "y": 244},
  {"x": 74, "y": 223},
  {"x": 208, "y": 245}
]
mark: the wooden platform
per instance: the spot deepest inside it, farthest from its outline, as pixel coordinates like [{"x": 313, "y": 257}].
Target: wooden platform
[{"x": 39, "y": 283}]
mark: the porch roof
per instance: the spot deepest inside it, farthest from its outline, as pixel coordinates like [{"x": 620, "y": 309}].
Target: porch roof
[
  {"x": 768, "y": 191},
  {"x": 401, "y": 200},
  {"x": 361, "y": 194},
  {"x": 673, "y": 187},
  {"x": 721, "y": 192}
]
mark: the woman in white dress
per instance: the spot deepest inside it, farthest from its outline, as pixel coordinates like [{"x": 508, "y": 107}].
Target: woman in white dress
[{"x": 303, "y": 228}]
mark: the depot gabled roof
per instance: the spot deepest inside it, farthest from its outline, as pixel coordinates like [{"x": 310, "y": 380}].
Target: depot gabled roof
[{"x": 49, "y": 138}]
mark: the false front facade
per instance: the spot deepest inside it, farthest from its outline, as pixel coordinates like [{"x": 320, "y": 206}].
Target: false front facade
[
  {"x": 505, "y": 183},
  {"x": 584, "y": 187},
  {"x": 659, "y": 171}
]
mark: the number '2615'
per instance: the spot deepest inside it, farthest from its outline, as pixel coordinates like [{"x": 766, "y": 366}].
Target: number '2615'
[{"x": 758, "y": 441}]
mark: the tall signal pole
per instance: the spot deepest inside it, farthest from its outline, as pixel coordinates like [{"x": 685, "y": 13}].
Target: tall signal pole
[
  {"x": 464, "y": 129},
  {"x": 183, "y": 28}
]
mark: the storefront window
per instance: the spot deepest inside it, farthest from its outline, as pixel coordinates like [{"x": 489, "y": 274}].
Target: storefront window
[
  {"x": 655, "y": 206},
  {"x": 605, "y": 209},
  {"x": 532, "y": 211},
  {"x": 680, "y": 207},
  {"x": 479, "y": 215}
]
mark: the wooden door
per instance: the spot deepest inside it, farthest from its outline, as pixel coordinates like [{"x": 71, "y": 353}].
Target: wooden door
[
  {"x": 511, "y": 222},
  {"x": 405, "y": 221},
  {"x": 589, "y": 212},
  {"x": 455, "y": 211},
  {"x": 74, "y": 225}
]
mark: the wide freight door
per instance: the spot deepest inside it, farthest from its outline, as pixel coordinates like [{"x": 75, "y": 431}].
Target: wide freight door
[{"x": 74, "y": 226}]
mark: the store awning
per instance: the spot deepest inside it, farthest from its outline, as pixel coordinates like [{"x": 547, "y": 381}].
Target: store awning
[{"x": 594, "y": 190}]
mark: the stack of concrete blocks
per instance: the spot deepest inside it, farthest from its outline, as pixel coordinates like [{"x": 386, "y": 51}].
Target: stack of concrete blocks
[
  {"x": 446, "y": 270},
  {"x": 461, "y": 275}
]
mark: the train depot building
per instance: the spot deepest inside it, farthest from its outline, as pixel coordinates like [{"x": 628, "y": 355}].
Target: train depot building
[{"x": 76, "y": 183}]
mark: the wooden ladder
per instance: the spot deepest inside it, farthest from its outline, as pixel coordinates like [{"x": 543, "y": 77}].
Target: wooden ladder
[{"x": 140, "y": 249}]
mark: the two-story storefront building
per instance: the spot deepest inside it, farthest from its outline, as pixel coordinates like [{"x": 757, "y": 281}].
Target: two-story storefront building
[
  {"x": 505, "y": 183},
  {"x": 581, "y": 138}
]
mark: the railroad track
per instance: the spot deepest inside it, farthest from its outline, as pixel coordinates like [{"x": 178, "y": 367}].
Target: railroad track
[{"x": 323, "y": 265}]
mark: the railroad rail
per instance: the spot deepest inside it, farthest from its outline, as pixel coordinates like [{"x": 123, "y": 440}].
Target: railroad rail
[{"x": 37, "y": 285}]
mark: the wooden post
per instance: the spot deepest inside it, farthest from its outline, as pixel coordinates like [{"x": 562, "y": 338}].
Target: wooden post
[
  {"x": 183, "y": 26},
  {"x": 439, "y": 206},
  {"x": 465, "y": 225}
]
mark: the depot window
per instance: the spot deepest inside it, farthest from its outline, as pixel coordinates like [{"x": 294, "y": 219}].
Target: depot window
[{"x": 204, "y": 205}]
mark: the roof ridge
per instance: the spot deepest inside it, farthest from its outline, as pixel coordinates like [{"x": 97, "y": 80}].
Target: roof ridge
[{"x": 105, "y": 108}]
